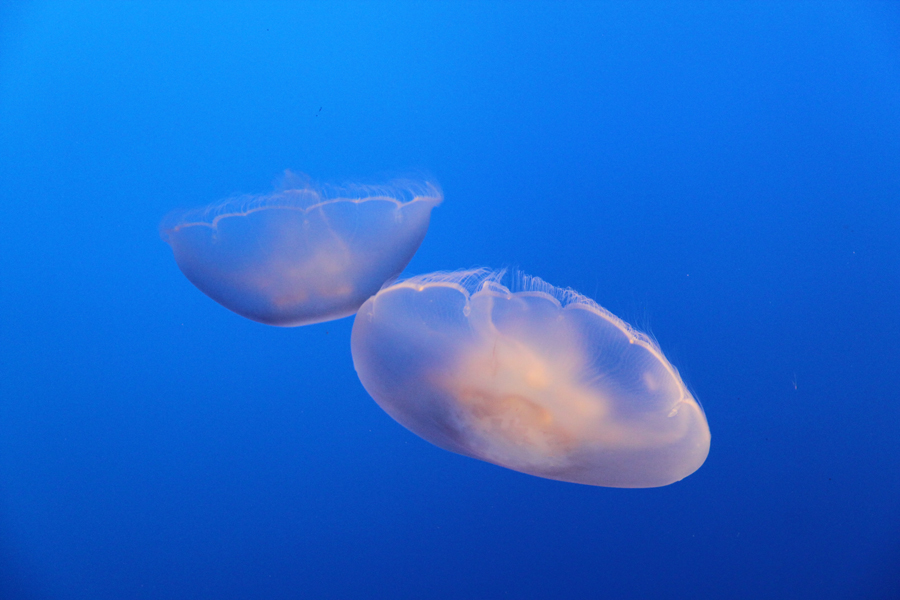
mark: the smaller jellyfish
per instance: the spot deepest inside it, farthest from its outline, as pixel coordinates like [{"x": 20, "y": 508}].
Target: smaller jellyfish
[
  {"x": 542, "y": 380},
  {"x": 303, "y": 254}
]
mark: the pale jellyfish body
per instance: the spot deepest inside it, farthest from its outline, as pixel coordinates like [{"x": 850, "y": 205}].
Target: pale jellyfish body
[
  {"x": 301, "y": 255},
  {"x": 542, "y": 381}
]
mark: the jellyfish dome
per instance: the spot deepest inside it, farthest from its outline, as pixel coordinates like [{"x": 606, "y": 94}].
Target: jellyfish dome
[
  {"x": 540, "y": 380},
  {"x": 303, "y": 254}
]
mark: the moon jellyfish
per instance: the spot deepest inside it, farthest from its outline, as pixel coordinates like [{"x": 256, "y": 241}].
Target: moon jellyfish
[
  {"x": 541, "y": 380},
  {"x": 302, "y": 254}
]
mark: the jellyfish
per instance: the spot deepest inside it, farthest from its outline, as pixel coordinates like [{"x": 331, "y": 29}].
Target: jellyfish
[
  {"x": 540, "y": 380},
  {"x": 304, "y": 253}
]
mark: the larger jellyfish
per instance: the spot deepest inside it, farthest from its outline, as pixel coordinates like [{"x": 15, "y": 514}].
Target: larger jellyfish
[
  {"x": 302, "y": 254},
  {"x": 542, "y": 381}
]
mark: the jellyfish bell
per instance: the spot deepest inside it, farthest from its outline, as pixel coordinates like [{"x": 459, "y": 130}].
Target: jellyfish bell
[
  {"x": 304, "y": 253},
  {"x": 540, "y": 380}
]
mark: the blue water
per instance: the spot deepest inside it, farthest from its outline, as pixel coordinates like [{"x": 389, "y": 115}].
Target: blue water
[{"x": 724, "y": 175}]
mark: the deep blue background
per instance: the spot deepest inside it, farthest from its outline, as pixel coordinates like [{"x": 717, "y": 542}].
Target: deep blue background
[{"x": 727, "y": 176}]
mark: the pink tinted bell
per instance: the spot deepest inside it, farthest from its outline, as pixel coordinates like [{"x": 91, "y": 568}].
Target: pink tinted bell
[
  {"x": 542, "y": 381},
  {"x": 301, "y": 255}
]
